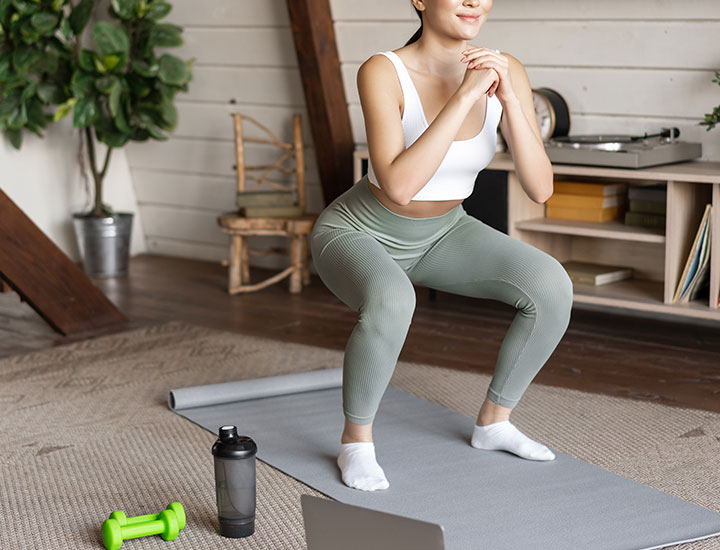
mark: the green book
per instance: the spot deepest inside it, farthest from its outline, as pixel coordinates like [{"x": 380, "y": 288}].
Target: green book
[
  {"x": 644, "y": 220},
  {"x": 650, "y": 207},
  {"x": 271, "y": 211},
  {"x": 265, "y": 198}
]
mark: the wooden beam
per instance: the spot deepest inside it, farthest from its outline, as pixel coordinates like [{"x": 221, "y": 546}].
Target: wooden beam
[
  {"x": 312, "y": 28},
  {"x": 47, "y": 279}
]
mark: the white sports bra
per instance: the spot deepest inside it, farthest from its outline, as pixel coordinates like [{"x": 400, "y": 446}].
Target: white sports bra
[{"x": 455, "y": 177}]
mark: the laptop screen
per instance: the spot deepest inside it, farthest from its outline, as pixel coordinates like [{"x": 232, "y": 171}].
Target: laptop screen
[{"x": 334, "y": 525}]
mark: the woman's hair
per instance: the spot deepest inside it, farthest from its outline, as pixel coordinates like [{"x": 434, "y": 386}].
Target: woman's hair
[{"x": 418, "y": 32}]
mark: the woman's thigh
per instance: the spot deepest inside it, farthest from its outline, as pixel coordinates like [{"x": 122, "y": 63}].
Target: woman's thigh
[
  {"x": 361, "y": 273},
  {"x": 474, "y": 259}
]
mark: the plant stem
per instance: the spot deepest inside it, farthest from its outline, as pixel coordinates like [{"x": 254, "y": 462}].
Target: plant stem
[{"x": 98, "y": 177}]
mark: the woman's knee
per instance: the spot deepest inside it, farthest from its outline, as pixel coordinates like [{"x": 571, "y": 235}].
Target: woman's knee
[
  {"x": 392, "y": 301},
  {"x": 554, "y": 290}
]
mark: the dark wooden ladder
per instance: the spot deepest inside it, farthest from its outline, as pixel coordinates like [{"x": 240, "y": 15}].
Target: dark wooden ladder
[{"x": 44, "y": 277}]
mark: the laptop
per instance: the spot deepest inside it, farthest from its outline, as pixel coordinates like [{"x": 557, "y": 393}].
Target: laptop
[{"x": 334, "y": 525}]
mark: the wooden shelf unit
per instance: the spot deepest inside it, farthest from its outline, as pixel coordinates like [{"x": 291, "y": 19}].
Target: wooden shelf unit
[{"x": 657, "y": 256}]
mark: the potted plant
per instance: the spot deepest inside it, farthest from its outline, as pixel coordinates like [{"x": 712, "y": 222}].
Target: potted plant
[{"x": 119, "y": 91}]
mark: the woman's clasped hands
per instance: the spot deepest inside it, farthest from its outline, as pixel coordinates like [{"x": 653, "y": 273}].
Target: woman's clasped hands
[{"x": 491, "y": 60}]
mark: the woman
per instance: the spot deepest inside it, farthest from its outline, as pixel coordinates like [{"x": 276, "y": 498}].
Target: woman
[{"x": 431, "y": 112}]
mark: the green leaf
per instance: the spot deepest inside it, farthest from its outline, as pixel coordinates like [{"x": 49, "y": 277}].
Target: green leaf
[
  {"x": 156, "y": 133},
  {"x": 15, "y": 137},
  {"x": 110, "y": 39},
  {"x": 121, "y": 121},
  {"x": 114, "y": 100},
  {"x": 24, "y": 58},
  {"x": 124, "y": 8},
  {"x": 87, "y": 60},
  {"x": 29, "y": 91},
  {"x": 65, "y": 28},
  {"x": 173, "y": 70},
  {"x": 165, "y": 35},
  {"x": 44, "y": 21},
  {"x": 98, "y": 64},
  {"x": 105, "y": 83},
  {"x": 144, "y": 68},
  {"x": 81, "y": 15},
  {"x": 50, "y": 93},
  {"x": 114, "y": 139},
  {"x": 82, "y": 84},
  {"x": 18, "y": 118},
  {"x": 64, "y": 109},
  {"x": 35, "y": 113},
  {"x": 9, "y": 104},
  {"x": 158, "y": 10},
  {"x": 113, "y": 61},
  {"x": 169, "y": 115},
  {"x": 85, "y": 112}
]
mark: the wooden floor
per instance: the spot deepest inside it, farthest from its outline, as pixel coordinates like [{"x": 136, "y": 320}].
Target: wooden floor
[{"x": 671, "y": 362}]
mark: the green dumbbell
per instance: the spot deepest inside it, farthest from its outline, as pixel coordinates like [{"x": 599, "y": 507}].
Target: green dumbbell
[
  {"x": 166, "y": 525},
  {"x": 176, "y": 507}
]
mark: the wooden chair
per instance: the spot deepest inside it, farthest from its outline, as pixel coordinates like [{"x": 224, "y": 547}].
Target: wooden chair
[{"x": 240, "y": 227}]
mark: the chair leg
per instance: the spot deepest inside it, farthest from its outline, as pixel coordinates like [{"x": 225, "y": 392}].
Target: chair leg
[
  {"x": 245, "y": 247},
  {"x": 305, "y": 260},
  {"x": 234, "y": 282},
  {"x": 295, "y": 262}
]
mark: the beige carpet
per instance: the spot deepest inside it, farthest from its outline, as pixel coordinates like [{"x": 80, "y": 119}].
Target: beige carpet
[{"x": 85, "y": 430}]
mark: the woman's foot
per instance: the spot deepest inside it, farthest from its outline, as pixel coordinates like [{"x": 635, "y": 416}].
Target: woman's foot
[
  {"x": 359, "y": 467},
  {"x": 505, "y": 436}
]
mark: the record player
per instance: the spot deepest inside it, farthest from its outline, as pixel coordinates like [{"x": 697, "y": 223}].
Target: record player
[{"x": 616, "y": 150}]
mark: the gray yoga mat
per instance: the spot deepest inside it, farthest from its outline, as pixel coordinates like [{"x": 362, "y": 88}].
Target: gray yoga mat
[{"x": 483, "y": 499}]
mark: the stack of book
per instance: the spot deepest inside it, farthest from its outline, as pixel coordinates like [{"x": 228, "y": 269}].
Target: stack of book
[
  {"x": 588, "y": 273},
  {"x": 267, "y": 204},
  {"x": 592, "y": 202},
  {"x": 647, "y": 206}
]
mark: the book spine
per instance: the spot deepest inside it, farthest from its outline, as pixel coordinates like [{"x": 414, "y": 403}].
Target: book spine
[
  {"x": 582, "y": 214},
  {"x": 567, "y": 200},
  {"x": 650, "y": 207},
  {"x": 591, "y": 189},
  {"x": 644, "y": 220},
  {"x": 655, "y": 194}
]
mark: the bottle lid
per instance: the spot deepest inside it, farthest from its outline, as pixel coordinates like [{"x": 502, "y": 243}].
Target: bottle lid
[{"x": 231, "y": 445}]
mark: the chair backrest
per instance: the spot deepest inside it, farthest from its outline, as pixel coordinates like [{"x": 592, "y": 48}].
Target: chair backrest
[{"x": 290, "y": 150}]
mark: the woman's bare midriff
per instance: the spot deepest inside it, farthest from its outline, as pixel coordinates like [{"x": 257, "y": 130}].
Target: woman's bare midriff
[{"x": 416, "y": 209}]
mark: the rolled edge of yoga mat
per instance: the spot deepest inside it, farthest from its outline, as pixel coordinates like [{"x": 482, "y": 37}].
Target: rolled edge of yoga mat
[{"x": 254, "y": 388}]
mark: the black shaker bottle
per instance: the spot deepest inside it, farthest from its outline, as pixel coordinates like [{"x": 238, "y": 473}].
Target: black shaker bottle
[{"x": 234, "y": 457}]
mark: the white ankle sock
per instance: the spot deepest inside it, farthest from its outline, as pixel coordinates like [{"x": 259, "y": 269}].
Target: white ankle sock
[
  {"x": 359, "y": 467},
  {"x": 505, "y": 436}
]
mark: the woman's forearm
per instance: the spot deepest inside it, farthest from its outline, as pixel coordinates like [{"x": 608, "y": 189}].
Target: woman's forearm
[
  {"x": 414, "y": 166},
  {"x": 532, "y": 164}
]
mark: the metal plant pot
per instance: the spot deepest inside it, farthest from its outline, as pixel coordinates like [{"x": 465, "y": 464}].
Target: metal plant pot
[{"x": 104, "y": 243}]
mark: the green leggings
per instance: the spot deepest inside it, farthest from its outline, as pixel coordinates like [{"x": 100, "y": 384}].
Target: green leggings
[{"x": 370, "y": 257}]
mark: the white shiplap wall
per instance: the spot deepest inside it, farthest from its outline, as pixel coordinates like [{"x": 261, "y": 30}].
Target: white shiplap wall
[{"x": 623, "y": 67}]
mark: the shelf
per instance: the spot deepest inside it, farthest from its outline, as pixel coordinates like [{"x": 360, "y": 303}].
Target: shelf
[
  {"x": 639, "y": 295},
  {"x": 613, "y": 229}
]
